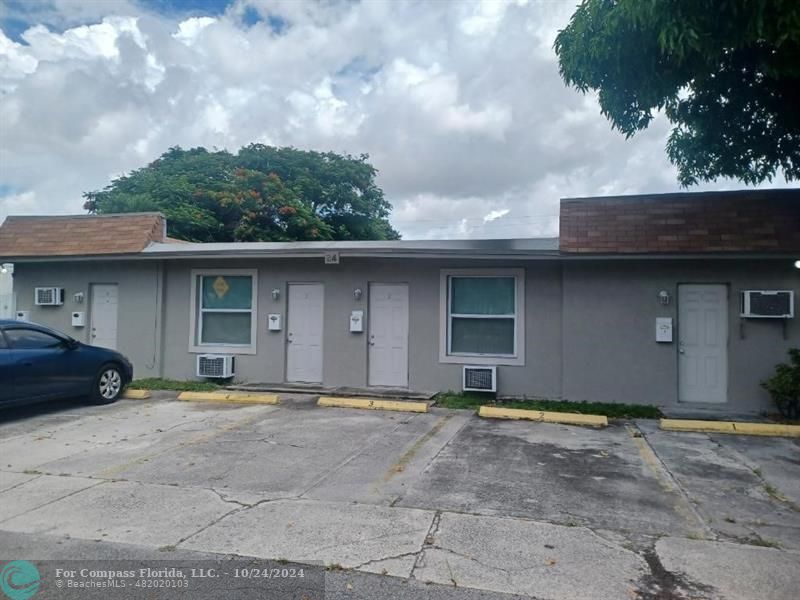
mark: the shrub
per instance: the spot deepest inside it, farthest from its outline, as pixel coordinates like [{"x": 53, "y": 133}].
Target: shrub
[{"x": 784, "y": 386}]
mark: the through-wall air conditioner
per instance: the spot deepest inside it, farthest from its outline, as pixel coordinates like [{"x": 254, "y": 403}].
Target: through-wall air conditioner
[
  {"x": 215, "y": 365},
  {"x": 479, "y": 379},
  {"x": 768, "y": 304},
  {"x": 48, "y": 296}
]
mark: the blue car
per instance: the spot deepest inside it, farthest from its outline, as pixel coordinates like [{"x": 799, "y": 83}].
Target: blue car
[{"x": 39, "y": 363}]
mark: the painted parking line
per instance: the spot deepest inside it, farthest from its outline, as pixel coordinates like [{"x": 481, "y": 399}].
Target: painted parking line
[{"x": 682, "y": 504}]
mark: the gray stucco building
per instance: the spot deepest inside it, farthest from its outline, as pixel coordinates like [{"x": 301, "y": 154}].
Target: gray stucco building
[{"x": 640, "y": 301}]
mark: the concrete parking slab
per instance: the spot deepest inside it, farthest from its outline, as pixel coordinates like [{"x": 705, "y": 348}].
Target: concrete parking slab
[
  {"x": 534, "y": 559},
  {"x": 370, "y": 538},
  {"x": 339, "y": 585},
  {"x": 133, "y": 432},
  {"x": 39, "y": 491},
  {"x": 554, "y": 473},
  {"x": 324, "y": 454},
  {"x": 734, "y": 571},
  {"x": 733, "y": 482},
  {"x": 9, "y": 480},
  {"x": 124, "y": 511},
  {"x": 776, "y": 459}
]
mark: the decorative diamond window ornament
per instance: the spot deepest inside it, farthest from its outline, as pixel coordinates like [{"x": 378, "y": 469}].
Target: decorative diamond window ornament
[{"x": 220, "y": 286}]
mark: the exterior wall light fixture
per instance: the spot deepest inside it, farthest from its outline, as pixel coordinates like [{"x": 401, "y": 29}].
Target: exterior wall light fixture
[
  {"x": 357, "y": 293},
  {"x": 276, "y": 293},
  {"x": 664, "y": 297}
]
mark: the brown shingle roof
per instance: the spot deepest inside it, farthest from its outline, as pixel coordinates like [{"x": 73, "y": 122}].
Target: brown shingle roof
[{"x": 80, "y": 235}]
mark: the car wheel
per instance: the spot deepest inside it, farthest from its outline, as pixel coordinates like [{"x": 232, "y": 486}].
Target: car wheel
[{"x": 108, "y": 385}]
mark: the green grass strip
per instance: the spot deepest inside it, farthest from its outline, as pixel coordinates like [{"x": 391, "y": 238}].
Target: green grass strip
[{"x": 609, "y": 409}]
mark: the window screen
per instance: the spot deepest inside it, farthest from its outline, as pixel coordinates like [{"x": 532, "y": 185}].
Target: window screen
[
  {"x": 482, "y": 315},
  {"x": 225, "y": 309}
]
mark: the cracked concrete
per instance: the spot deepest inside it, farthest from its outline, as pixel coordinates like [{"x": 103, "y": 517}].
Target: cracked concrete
[
  {"x": 727, "y": 478},
  {"x": 443, "y": 501},
  {"x": 122, "y": 511},
  {"x": 529, "y": 558},
  {"x": 734, "y": 571},
  {"x": 349, "y": 535}
]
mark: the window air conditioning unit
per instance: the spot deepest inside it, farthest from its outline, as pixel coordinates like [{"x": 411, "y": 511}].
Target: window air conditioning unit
[
  {"x": 48, "y": 296},
  {"x": 479, "y": 379},
  {"x": 215, "y": 365},
  {"x": 768, "y": 304}
]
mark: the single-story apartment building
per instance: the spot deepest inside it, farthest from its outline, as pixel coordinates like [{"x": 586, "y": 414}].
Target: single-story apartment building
[{"x": 677, "y": 300}]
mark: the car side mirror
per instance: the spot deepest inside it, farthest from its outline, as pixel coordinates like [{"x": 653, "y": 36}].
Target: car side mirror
[{"x": 70, "y": 344}]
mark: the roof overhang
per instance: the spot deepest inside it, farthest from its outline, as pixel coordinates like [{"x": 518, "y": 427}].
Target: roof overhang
[{"x": 529, "y": 256}]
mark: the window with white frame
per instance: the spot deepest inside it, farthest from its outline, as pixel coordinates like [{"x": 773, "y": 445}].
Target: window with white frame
[
  {"x": 224, "y": 313},
  {"x": 483, "y": 316}
]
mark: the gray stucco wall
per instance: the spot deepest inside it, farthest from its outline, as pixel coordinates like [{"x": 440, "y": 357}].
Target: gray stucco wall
[
  {"x": 589, "y": 324},
  {"x": 610, "y": 307},
  {"x": 345, "y": 353},
  {"x": 138, "y": 333}
]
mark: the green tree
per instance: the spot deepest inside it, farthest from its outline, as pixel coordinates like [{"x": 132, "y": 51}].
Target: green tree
[
  {"x": 259, "y": 194},
  {"x": 725, "y": 72}
]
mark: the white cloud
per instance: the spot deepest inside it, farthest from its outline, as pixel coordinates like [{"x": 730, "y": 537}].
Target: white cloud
[
  {"x": 190, "y": 29},
  {"x": 459, "y": 105},
  {"x": 17, "y": 203},
  {"x": 495, "y": 214}
]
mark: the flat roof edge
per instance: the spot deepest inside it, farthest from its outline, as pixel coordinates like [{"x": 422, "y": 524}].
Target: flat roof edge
[
  {"x": 714, "y": 194},
  {"x": 532, "y": 255}
]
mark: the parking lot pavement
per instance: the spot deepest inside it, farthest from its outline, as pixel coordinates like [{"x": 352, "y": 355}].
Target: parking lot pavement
[
  {"x": 407, "y": 503},
  {"x": 745, "y": 488},
  {"x": 555, "y": 473}
]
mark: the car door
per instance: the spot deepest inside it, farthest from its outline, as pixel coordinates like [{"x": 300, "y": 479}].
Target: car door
[
  {"x": 43, "y": 364},
  {"x": 6, "y": 370}
]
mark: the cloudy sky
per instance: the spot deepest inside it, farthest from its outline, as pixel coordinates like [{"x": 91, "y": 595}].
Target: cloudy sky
[{"x": 459, "y": 104}]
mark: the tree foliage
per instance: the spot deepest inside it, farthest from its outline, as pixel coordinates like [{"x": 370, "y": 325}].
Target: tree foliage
[
  {"x": 259, "y": 194},
  {"x": 725, "y": 72}
]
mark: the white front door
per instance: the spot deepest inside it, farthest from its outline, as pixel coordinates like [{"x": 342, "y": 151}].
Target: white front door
[
  {"x": 103, "y": 325},
  {"x": 304, "y": 333},
  {"x": 702, "y": 343},
  {"x": 388, "y": 334}
]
